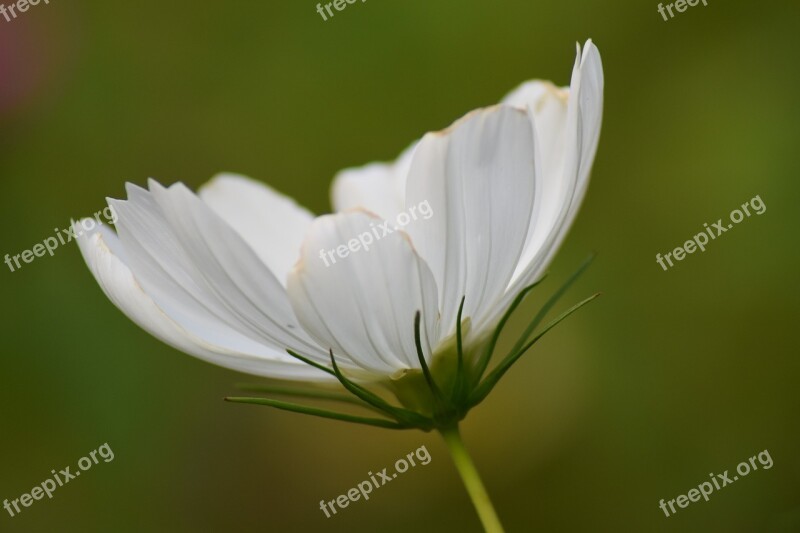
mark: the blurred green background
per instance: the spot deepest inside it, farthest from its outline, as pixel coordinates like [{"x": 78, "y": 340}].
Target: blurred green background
[{"x": 669, "y": 376}]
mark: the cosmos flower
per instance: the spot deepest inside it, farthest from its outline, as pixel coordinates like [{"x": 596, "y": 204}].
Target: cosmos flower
[{"x": 234, "y": 276}]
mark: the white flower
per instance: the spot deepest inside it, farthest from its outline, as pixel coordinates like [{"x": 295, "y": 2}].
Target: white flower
[{"x": 233, "y": 275}]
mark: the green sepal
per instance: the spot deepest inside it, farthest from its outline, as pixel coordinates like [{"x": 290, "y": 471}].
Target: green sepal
[
  {"x": 487, "y": 353},
  {"x": 491, "y": 380},
  {"x": 437, "y": 394},
  {"x": 312, "y": 394},
  {"x": 315, "y": 411},
  {"x": 403, "y": 416},
  {"x": 460, "y": 391},
  {"x": 551, "y": 302}
]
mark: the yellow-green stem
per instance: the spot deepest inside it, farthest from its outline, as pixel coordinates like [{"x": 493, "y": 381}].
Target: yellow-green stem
[{"x": 472, "y": 480}]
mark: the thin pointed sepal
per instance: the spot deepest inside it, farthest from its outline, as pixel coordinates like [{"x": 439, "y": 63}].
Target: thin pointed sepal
[
  {"x": 551, "y": 302},
  {"x": 404, "y": 416},
  {"x": 311, "y": 394},
  {"x": 486, "y": 356},
  {"x": 315, "y": 411},
  {"x": 437, "y": 393},
  {"x": 491, "y": 380}
]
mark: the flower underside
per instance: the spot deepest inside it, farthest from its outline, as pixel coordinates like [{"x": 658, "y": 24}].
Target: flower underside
[{"x": 437, "y": 397}]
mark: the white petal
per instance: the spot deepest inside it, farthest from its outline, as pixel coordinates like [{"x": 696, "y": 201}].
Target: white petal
[
  {"x": 558, "y": 200},
  {"x": 548, "y": 105},
  {"x": 363, "y": 305},
  {"x": 478, "y": 177},
  {"x": 271, "y": 223},
  {"x": 378, "y": 187},
  {"x": 106, "y": 259},
  {"x": 381, "y": 187},
  {"x": 187, "y": 258}
]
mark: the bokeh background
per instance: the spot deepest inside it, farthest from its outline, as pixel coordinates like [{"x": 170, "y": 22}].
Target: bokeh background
[{"x": 669, "y": 376}]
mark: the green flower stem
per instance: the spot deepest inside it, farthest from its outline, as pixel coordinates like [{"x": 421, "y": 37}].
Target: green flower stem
[{"x": 472, "y": 480}]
